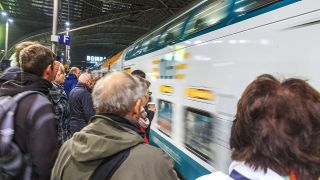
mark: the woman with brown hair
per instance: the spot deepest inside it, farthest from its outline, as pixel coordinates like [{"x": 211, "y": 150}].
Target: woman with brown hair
[{"x": 276, "y": 133}]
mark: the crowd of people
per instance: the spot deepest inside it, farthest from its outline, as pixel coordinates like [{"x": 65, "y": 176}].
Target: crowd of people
[
  {"x": 91, "y": 123},
  {"x": 74, "y": 128}
]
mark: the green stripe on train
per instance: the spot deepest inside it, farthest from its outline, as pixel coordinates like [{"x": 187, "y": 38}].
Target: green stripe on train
[{"x": 187, "y": 168}]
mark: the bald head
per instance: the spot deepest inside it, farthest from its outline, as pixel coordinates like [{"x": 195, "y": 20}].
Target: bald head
[
  {"x": 118, "y": 79},
  {"x": 85, "y": 78},
  {"x": 117, "y": 93}
]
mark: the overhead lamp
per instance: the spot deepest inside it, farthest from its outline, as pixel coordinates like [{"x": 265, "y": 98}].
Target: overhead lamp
[
  {"x": 67, "y": 23},
  {"x": 4, "y": 14},
  {"x": 9, "y": 20}
]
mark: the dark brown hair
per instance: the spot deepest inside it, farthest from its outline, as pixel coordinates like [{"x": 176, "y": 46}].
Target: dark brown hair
[
  {"x": 19, "y": 48},
  {"x": 139, "y": 73},
  {"x": 36, "y": 58},
  {"x": 277, "y": 126}
]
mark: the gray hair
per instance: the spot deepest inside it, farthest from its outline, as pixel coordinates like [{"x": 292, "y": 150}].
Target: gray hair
[
  {"x": 85, "y": 77},
  {"x": 145, "y": 84},
  {"x": 117, "y": 93}
]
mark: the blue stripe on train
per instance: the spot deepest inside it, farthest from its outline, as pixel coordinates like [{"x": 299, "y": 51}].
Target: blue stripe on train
[{"x": 187, "y": 168}]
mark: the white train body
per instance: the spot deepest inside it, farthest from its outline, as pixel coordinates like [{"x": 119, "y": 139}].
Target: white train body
[{"x": 197, "y": 81}]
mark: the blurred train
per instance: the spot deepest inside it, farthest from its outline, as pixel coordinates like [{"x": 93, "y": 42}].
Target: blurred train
[{"x": 200, "y": 62}]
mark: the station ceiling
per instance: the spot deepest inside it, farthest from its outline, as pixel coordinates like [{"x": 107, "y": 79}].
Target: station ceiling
[{"x": 98, "y": 27}]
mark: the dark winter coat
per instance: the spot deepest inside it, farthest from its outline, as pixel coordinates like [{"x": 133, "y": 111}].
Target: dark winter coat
[
  {"x": 81, "y": 107},
  {"x": 69, "y": 83},
  {"x": 36, "y": 135}
]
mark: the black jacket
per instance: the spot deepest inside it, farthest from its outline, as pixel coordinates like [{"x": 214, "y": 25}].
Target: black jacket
[
  {"x": 36, "y": 135},
  {"x": 150, "y": 115},
  {"x": 81, "y": 107}
]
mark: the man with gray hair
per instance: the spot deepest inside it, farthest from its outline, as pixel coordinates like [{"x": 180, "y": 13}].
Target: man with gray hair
[
  {"x": 112, "y": 146},
  {"x": 80, "y": 101}
]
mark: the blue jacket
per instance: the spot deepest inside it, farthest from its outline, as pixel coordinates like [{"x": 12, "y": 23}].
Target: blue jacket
[
  {"x": 81, "y": 107},
  {"x": 69, "y": 83}
]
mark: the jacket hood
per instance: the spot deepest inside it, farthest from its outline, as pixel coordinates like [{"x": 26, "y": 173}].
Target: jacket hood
[
  {"x": 102, "y": 138},
  {"x": 10, "y": 73}
]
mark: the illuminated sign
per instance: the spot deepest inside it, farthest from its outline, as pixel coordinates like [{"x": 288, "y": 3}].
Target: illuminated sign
[
  {"x": 95, "y": 59},
  {"x": 64, "y": 39}
]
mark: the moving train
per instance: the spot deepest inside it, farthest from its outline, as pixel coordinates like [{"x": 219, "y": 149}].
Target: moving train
[{"x": 200, "y": 62}]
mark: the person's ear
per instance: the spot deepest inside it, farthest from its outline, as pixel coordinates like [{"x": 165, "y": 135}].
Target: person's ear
[
  {"x": 47, "y": 73},
  {"x": 137, "y": 110},
  {"x": 56, "y": 66}
]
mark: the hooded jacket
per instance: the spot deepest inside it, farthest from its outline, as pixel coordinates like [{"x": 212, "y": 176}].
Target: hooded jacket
[
  {"x": 69, "y": 83},
  {"x": 35, "y": 123},
  {"x": 103, "y": 137}
]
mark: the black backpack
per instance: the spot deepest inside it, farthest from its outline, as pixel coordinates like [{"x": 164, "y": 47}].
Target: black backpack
[{"x": 13, "y": 163}]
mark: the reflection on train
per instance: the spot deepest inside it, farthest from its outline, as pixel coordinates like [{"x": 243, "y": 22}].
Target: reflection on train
[
  {"x": 198, "y": 132},
  {"x": 200, "y": 62},
  {"x": 165, "y": 117}
]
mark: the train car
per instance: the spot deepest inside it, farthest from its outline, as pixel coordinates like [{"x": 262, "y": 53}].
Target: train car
[
  {"x": 110, "y": 65},
  {"x": 200, "y": 62}
]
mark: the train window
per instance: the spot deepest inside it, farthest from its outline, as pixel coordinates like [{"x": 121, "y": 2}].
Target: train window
[
  {"x": 129, "y": 52},
  {"x": 212, "y": 13},
  {"x": 244, "y": 6},
  {"x": 165, "y": 117},
  {"x": 173, "y": 31},
  {"x": 150, "y": 42},
  {"x": 153, "y": 41},
  {"x": 144, "y": 44},
  {"x": 198, "y": 132},
  {"x": 136, "y": 50}
]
